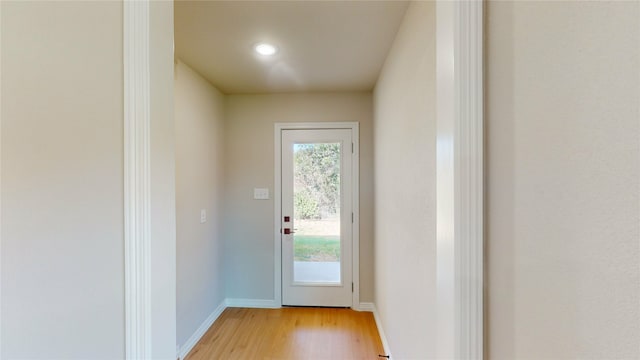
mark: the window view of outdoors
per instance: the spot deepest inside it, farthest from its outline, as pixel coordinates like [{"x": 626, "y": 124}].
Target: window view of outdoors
[{"x": 316, "y": 214}]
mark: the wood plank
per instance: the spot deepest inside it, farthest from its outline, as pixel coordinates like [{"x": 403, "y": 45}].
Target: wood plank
[{"x": 290, "y": 333}]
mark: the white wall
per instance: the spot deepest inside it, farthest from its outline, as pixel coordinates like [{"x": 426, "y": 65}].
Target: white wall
[
  {"x": 163, "y": 186},
  {"x": 404, "y": 140},
  {"x": 563, "y": 153},
  {"x": 249, "y": 151},
  {"x": 62, "y": 181},
  {"x": 199, "y": 116}
]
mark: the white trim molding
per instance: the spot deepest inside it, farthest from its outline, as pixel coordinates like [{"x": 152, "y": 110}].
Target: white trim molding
[
  {"x": 459, "y": 34},
  {"x": 355, "y": 193},
  {"x": 371, "y": 307},
  {"x": 365, "y": 307},
  {"x": 252, "y": 303},
  {"x": 137, "y": 171},
  {"x": 383, "y": 337},
  {"x": 200, "y": 331}
]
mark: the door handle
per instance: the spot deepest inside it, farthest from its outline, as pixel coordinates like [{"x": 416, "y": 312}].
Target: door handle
[{"x": 288, "y": 231}]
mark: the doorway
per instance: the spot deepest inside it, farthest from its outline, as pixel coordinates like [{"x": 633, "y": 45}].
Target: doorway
[{"x": 316, "y": 216}]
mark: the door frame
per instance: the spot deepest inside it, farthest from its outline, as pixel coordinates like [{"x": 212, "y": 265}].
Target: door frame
[
  {"x": 277, "y": 203},
  {"x": 460, "y": 179},
  {"x": 460, "y": 327}
]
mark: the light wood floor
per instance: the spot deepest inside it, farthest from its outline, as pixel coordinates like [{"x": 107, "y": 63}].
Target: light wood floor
[{"x": 290, "y": 333}]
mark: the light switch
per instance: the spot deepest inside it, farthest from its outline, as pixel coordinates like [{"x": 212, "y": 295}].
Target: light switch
[
  {"x": 261, "y": 194},
  {"x": 203, "y": 216}
]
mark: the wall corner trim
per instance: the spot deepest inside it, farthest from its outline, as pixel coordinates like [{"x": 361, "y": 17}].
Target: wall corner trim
[
  {"x": 460, "y": 262},
  {"x": 137, "y": 172}
]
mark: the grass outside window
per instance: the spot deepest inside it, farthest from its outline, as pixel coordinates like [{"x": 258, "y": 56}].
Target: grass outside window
[{"x": 316, "y": 248}]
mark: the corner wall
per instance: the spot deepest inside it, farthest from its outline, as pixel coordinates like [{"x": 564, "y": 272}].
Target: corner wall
[
  {"x": 199, "y": 178},
  {"x": 405, "y": 188},
  {"x": 563, "y": 171}
]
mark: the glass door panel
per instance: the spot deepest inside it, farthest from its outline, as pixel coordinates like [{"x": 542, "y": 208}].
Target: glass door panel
[{"x": 316, "y": 213}]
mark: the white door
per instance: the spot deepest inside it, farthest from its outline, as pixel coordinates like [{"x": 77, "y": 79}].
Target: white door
[{"x": 317, "y": 217}]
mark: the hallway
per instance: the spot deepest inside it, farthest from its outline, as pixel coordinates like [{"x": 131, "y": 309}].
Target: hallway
[{"x": 134, "y": 135}]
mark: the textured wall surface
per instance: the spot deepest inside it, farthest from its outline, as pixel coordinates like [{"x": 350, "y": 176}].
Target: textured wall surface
[
  {"x": 563, "y": 170},
  {"x": 163, "y": 186},
  {"x": 405, "y": 187},
  {"x": 62, "y": 181},
  {"x": 199, "y": 176}
]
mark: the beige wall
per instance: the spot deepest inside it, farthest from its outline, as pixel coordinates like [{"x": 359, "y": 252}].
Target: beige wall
[
  {"x": 163, "y": 172},
  {"x": 249, "y": 151},
  {"x": 404, "y": 140},
  {"x": 563, "y": 169},
  {"x": 199, "y": 120},
  {"x": 62, "y": 189}
]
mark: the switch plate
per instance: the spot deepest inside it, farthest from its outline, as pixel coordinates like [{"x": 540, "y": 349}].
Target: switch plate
[
  {"x": 261, "y": 194},
  {"x": 203, "y": 216}
]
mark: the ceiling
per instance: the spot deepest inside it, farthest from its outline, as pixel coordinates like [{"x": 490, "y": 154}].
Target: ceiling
[{"x": 323, "y": 45}]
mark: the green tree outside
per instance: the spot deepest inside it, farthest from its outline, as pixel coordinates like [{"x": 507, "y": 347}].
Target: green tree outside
[{"x": 317, "y": 180}]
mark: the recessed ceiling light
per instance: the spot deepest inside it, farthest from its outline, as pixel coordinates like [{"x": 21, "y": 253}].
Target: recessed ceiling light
[{"x": 265, "y": 49}]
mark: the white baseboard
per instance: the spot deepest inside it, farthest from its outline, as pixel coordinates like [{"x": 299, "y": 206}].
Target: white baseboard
[
  {"x": 371, "y": 307},
  {"x": 197, "y": 335},
  {"x": 383, "y": 338},
  {"x": 366, "y": 306},
  {"x": 252, "y": 303}
]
